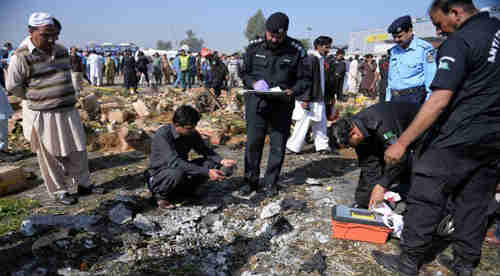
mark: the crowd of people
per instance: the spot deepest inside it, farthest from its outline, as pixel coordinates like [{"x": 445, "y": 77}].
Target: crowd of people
[{"x": 433, "y": 136}]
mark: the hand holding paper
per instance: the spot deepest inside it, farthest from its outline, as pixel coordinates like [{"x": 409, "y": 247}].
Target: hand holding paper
[{"x": 261, "y": 85}]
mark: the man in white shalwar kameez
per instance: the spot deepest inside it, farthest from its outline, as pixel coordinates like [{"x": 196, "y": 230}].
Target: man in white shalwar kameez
[
  {"x": 310, "y": 109},
  {"x": 353, "y": 75},
  {"x": 56, "y": 132},
  {"x": 94, "y": 60}
]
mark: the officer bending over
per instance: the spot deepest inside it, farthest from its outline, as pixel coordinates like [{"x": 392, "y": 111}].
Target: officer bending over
[
  {"x": 462, "y": 149},
  {"x": 171, "y": 173},
  {"x": 371, "y": 132}
]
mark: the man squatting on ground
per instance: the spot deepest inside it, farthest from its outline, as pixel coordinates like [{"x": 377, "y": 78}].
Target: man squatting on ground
[
  {"x": 171, "y": 173},
  {"x": 40, "y": 72},
  {"x": 371, "y": 132},
  {"x": 461, "y": 150}
]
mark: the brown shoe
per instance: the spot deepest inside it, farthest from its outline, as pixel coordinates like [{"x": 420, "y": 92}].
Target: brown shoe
[{"x": 164, "y": 204}]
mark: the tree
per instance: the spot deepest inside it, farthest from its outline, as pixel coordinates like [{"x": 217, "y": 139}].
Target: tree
[
  {"x": 306, "y": 43},
  {"x": 256, "y": 26},
  {"x": 164, "y": 45},
  {"x": 195, "y": 44}
]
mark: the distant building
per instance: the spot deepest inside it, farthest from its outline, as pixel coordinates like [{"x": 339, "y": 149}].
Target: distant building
[{"x": 378, "y": 41}]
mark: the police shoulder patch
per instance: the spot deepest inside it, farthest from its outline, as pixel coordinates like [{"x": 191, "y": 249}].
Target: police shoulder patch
[{"x": 431, "y": 56}]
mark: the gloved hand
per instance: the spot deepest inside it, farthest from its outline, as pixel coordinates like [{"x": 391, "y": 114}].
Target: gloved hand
[{"x": 261, "y": 85}]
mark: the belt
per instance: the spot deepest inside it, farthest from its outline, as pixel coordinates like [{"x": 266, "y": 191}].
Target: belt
[{"x": 407, "y": 91}]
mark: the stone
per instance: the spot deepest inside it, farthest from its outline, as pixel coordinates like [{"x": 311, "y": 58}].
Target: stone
[
  {"x": 316, "y": 263},
  {"x": 11, "y": 179},
  {"x": 141, "y": 109},
  {"x": 144, "y": 223},
  {"x": 84, "y": 115},
  {"x": 90, "y": 104},
  {"x": 271, "y": 210},
  {"x": 118, "y": 116},
  {"x": 72, "y": 272},
  {"x": 120, "y": 214},
  {"x": 134, "y": 139},
  {"x": 38, "y": 223},
  {"x": 293, "y": 204},
  {"x": 50, "y": 240}
]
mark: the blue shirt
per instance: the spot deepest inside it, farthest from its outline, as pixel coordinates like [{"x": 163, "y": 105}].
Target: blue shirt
[{"x": 411, "y": 67}]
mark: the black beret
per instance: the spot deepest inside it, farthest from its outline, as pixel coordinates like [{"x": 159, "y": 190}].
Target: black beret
[
  {"x": 400, "y": 24},
  {"x": 277, "y": 23}
]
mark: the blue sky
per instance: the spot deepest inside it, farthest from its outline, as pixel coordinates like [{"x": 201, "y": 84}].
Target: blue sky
[{"x": 220, "y": 23}]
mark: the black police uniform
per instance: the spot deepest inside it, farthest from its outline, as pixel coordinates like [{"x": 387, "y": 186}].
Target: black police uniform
[
  {"x": 283, "y": 67},
  {"x": 463, "y": 148},
  {"x": 381, "y": 125}
]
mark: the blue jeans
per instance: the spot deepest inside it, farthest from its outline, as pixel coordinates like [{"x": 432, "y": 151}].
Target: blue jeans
[
  {"x": 4, "y": 134},
  {"x": 179, "y": 79}
]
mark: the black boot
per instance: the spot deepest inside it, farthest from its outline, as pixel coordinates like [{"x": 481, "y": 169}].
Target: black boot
[
  {"x": 253, "y": 185},
  {"x": 457, "y": 265},
  {"x": 403, "y": 264},
  {"x": 271, "y": 190}
]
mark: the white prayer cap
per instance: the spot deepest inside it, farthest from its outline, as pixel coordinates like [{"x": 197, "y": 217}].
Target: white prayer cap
[{"x": 38, "y": 19}]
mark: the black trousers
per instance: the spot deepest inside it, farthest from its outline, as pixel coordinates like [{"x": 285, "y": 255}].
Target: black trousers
[
  {"x": 277, "y": 117},
  {"x": 169, "y": 182},
  {"x": 469, "y": 181}
]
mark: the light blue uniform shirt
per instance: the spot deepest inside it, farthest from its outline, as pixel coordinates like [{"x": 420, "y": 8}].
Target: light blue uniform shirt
[{"x": 411, "y": 67}]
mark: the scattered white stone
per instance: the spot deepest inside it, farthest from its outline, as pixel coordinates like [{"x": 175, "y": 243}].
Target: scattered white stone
[
  {"x": 144, "y": 223},
  {"x": 271, "y": 210},
  {"x": 120, "y": 214},
  {"x": 322, "y": 238},
  {"x": 313, "y": 181}
]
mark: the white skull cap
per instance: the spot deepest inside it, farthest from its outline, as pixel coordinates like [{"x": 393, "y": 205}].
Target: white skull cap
[{"x": 38, "y": 19}]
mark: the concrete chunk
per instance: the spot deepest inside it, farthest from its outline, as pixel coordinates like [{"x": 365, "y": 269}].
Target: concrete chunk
[{"x": 11, "y": 179}]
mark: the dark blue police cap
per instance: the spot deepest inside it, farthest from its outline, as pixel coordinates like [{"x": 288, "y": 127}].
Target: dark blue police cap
[
  {"x": 400, "y": 24},
  {"x": 277, "y": 23}
]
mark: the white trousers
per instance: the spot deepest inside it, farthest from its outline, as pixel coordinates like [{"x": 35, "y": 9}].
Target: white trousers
[
  {"x": 95, "y": 75},
  {"x": 319, "y": 132}
]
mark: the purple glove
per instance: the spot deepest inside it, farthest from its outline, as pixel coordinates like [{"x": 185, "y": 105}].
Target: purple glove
[{"x": 261, "y": 85}]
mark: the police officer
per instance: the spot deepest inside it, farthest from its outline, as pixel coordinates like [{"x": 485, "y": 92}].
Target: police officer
[
  {"x": 371, "y": 132},
  {"x": 276, "y": 60},
  {"x": 412, "y": 64},
  {"x": 462, "y": 150}
]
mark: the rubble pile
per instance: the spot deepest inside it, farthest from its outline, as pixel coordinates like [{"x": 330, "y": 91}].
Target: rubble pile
[{"x": 118, "y": 122}]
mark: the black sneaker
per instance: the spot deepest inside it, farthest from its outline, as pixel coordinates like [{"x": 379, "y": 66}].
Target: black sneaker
[
  {"x": 66, "y": 199},
  {"x": 456, "y": 265},
  {"x": 82, "y": 191}
]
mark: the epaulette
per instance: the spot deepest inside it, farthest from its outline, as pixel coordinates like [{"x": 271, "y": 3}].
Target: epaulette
[
  {"x": 21, "y": 51},
  {"x": 299, "y": 47},
  {"x": 255, "y": 41}
]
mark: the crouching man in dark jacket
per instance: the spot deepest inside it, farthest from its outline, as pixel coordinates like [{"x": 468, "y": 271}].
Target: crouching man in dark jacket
[
  {"x": 171, "y": 172},
  {"x": 371, "y": 132}
]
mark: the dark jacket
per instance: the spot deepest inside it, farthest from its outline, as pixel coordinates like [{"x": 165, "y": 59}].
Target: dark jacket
[
  {"x": 315, "y": 93},
  {"x": 283, "y": 67},
  {"x": 169, "y": 150},
  {"x": 217, "y": 76},
  {"x": 381, "y": 125}
]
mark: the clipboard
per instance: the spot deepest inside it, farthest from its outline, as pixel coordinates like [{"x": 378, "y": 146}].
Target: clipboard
[{"x": 269, "y": 94}]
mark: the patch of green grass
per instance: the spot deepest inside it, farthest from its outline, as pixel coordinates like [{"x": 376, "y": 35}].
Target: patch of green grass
[{"x": 13, "y": 211}]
